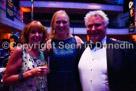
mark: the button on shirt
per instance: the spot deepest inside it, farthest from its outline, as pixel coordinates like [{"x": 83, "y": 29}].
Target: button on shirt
[{"x": 93, "y": 69}]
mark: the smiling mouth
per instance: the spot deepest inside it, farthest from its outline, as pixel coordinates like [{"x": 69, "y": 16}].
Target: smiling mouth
[
  {"x": 61, "y": 29},
  {"x": 36, "y": 40},
  {"x": 94, "y": 35}
]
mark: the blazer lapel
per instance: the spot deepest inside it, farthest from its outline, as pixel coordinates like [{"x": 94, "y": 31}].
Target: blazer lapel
[
  {"x": 110, "y": 59},
  {"x": 109, "y": 55}
]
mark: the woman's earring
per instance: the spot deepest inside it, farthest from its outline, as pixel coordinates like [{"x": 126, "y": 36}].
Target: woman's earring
[{"x": 54, "y": 31}]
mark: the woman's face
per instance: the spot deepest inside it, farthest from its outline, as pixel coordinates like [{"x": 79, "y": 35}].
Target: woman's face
[
  {"x": 130, "y": 4},
  {"x": 35, "y": 36},
  {"x": 61, "y": 24},
  {"x": 131, "y": 12}
]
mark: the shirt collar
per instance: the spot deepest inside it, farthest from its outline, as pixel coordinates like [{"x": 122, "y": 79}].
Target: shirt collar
[{"x": 102, "y": 41}]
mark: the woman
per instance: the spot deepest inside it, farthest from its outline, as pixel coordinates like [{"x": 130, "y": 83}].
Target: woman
[
  {"x": 23, "y": 68},
  {"x": 62, "y": 48}
]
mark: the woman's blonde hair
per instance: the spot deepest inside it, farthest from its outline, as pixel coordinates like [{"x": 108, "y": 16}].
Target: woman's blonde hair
[
  {"x": 52, "y": 30},
  {"x": 29, "y": 27}
]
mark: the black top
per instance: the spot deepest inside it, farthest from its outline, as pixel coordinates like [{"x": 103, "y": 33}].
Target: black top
[{"x": 63, "y": 74}]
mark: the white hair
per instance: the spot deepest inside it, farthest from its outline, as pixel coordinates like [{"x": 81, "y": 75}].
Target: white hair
[{"x": 98, "y": 12}]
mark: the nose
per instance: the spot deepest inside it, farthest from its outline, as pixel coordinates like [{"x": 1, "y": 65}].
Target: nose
[
  {"x": 61, "y": 24},
  {"x": 93, "y": 27},
  {"x": 37, "y": 34}
]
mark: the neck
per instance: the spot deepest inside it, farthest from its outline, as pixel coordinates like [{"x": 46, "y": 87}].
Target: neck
[
  {"x": 33, "y": 47},
  {"x": 61, "y": 36},
  {"x": 33, "y": 51}
]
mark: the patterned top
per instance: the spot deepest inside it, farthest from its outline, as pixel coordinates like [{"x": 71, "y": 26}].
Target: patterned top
[{"x": 36, "y": 83}]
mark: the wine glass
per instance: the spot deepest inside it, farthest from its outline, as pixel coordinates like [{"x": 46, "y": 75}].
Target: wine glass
[{"x": 43, "y": 79}]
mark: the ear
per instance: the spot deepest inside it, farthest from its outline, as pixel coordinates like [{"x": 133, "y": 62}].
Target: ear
[{"x": 105, "y": 27}]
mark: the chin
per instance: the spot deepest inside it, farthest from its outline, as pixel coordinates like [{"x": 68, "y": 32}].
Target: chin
[{"x": 94, "y": 38}]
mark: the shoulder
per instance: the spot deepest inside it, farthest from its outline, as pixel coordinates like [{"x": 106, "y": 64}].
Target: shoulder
[
  {"x": 110, "y": 40},
  {"x": 49, "y": 41},
  {"x": 78, "y": 40},
  {"x": 17, "y": 50},
  {"x": 77, "y": 37},
  {"x": 47, "y": 45},
  {"x": 16, "y": 56},
  {"x": 121, "y": 45},
  {"x": 113, "y": 41},
  {"x": 16, "y": 53}
]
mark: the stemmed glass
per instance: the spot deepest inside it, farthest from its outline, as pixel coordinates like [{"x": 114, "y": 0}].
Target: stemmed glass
[{"x": 43, "y": 79}]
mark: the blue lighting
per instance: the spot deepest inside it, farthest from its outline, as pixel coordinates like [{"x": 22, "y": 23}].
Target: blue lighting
[{"x": 120, "y": 1}]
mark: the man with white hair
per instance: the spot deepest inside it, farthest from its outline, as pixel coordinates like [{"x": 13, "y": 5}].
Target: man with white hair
[{"x": 107, "y": 66}]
